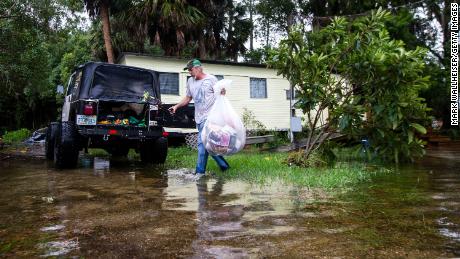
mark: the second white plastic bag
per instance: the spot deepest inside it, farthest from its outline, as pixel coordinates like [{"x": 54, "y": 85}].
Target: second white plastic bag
[{"x": 223, "y": 132}]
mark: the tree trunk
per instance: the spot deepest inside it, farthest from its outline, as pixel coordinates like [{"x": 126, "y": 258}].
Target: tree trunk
[
  {"x": 157, "y": 40},
  {"x": 106, "y": 31},
  {"x": 251, "y": 35},
  {"x": 201, "y": 47},
  {"x": 267, "y": 34},
  {"x": 230, "y": 35},
  {"x": 445, "y": 29},
  {"x": 290, "y": 22}
]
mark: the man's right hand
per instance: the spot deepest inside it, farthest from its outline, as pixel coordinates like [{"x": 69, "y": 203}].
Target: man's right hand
[{"x": 172, "y": 109}]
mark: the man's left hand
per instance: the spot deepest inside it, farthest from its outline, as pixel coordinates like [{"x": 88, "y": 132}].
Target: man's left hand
[{"x": 223, "y": 91}]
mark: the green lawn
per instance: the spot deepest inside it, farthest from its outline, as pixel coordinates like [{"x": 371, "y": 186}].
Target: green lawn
[{"x": 264, "y": 167}]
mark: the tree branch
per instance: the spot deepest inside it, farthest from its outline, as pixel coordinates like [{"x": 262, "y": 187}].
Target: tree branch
[{"x": 8, "y": 16}]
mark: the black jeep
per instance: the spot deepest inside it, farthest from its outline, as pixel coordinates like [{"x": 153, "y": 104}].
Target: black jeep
[{"x": 114, "y": 107}]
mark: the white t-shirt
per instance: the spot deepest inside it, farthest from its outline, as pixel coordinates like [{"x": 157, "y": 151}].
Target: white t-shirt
[{"x": 202, "y": 93}]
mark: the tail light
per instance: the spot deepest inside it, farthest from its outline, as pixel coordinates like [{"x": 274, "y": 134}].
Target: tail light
[
  {"x": 88, "y": 109},
  {"x": 165, "y": 134}
]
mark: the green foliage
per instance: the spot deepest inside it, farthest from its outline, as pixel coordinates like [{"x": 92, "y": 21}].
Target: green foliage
[
  {"x": 417, "y": 24},
  {"x": 400, "y": 28},
  {"x": 453, "y": 133},
  {"x": 251, "y": 124},
  {"x": 238, "y": 31},
  {"x": 24, "y": 66},
  {"x": 280, "y": 138},
  {"x": 257, "y": 56},
  {"x": 298, "y": 158},
  {"x": 77, "y": 52},
  {"x": 438, "y": 94},
  {"x": 275, "y": 18},
  {"x": 367, "y": 83},
  {"x": 156, "y": 50},
  {"x": 30, "y": 50},
  {"x": 263, "y": 167},
  {"x": 17, "y": 136}
]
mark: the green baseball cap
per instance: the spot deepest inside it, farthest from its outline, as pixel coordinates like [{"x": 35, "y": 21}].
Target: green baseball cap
[{"x": 192, "y": 63}]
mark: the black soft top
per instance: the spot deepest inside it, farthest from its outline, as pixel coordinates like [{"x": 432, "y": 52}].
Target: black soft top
[{"x": 106, "y": 81}]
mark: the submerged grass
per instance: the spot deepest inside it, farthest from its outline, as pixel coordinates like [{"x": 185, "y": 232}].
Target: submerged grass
[{"x": 265, "y": 167}]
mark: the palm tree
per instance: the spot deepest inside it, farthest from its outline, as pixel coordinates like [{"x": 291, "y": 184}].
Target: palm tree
[
  {"x": 209, "y": 36},
  {"x": 101, "y": 8},
  {"x": 238, "y": 32},
  {"x": 166, "y": 22}
]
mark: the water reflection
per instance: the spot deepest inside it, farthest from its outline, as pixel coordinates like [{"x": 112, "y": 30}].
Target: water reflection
[
  {"x": 232, "y": 211},
  {"x": 109, "y": 208},
  {"x": 443, "y": 163},
  {"x": 59, "y": 248},
  {"x": 101, "y": 166},
  {"x": 216, "y": 221}
]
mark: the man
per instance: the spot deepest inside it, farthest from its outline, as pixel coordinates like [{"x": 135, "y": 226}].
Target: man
[{"x": 200, "y": 89}]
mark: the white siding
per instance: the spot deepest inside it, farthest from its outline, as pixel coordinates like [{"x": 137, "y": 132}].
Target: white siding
[{"x": 272, "y": 111}]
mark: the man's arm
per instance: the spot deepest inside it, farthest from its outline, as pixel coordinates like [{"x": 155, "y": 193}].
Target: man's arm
[{"x": 186, "y": 100}]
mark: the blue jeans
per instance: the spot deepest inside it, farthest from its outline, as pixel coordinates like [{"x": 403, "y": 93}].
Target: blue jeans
[{"x": 203, "y": 155}]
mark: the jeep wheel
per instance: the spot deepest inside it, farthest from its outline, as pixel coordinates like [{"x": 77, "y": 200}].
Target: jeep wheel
[
  {"x": 155, "y": 151},
  {"x": 50, "y": 139},
  {"x": 66, "y": 146}
]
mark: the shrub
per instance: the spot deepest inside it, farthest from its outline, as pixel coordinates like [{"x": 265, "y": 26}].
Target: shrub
[
  {"x": 16, "y": 136},
  {"x": 299, "y": 158},
  {"x": 366, "y": 83},
  {"x": 253, "y": 126}
]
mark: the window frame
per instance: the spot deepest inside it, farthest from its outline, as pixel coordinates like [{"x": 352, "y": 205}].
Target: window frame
[
  {"x": 294, "y": 96},
  {"x": 252, "y": 94},
  {"x": 169, "y": 92},
  {"x": 73, "y": 86}
]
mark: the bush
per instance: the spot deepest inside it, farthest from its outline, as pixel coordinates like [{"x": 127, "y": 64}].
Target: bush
[
  {"x": 453, "y": 133},
  {"x": 366, "y": 83},
  {"x": 16, "y": 136},
  {"x": 299, "y": 158}
]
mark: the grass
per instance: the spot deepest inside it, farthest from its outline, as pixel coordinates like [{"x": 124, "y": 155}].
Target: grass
[
  {"x": 17, "y": 136},
  {"x": 264, "y": 167},
  {"x": 98, "y": 152},
  {"x": 6, "y": 247},
  {"x": 255, "y": 166}
]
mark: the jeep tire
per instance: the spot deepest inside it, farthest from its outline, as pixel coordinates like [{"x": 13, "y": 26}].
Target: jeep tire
[
  {"x": 66, "y": 145},
  {"x": 154, "y": 151},
  {"x": 50, "y": 139}
]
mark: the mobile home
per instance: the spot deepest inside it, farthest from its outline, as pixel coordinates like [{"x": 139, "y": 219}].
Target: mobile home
[{"x": 254, "y": 86}]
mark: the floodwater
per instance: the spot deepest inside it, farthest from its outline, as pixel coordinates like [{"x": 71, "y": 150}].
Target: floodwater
[{"x": 121, "y": 209}]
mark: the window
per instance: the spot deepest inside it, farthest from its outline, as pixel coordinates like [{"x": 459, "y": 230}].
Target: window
[
  {"x": 258, "y": 87},
  {"x": 169, "y": 83},
  {"x": 294, "y": 96},
  {"x": 74, "y": 83},
  {"x": 70, "y": 85}
]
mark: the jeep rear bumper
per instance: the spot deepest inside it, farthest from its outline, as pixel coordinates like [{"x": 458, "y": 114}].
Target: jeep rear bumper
[{"x": 121, "y": 132}]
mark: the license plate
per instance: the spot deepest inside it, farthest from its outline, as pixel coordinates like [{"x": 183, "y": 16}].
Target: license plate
[{"x": 86, "y": 119}]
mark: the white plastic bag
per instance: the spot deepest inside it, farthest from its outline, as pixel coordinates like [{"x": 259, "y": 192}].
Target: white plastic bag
[{"x": 223, "y": 132}]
